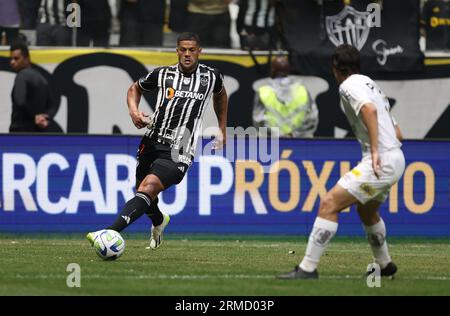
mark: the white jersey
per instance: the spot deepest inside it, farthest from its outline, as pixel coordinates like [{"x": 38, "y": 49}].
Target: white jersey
[{"x": 358, "y": 90}]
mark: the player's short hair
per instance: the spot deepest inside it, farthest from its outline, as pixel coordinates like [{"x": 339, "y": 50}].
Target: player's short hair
[
  {"x": 188, "y": 36},
  {"x": 346, "y": 59},
  {"x": 20, "y": 45}
]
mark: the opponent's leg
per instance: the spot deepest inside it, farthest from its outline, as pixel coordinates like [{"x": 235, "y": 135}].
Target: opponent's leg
[
  {"x": 376, "y": 234},
  {"x": 325, "y": 227}
]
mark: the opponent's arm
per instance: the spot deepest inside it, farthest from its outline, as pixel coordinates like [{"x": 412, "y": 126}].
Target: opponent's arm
[
  {"x": 370, "y": 118},
  {"x": 398, "y": 132},
  {"x": 140, "y": 119},
  {"x": 220, "y": 101}
]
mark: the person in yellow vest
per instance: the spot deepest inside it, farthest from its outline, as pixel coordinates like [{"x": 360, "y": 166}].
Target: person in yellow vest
[{"x": 283, "y": 102}]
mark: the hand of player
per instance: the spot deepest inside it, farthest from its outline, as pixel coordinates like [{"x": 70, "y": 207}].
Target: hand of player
[
  {"x": 376, "y": 164},
  {"x": 41, "y": 120},
  {"x": 140, "y": 119},
  {"x": 220, "y": 140}
]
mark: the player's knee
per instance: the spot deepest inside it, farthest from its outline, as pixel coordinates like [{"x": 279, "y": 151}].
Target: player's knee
[
  {"x": 327, "y": 206},
  {"x": 152, "y": 186}
]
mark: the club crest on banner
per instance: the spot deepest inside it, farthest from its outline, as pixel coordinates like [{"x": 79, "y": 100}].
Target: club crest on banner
[{"x": 348, "y": 27}]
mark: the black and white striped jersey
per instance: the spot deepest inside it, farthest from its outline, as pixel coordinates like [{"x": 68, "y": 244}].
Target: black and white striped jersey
[
  {"x": 181, "y": 103},
  {"x": 255, "y": 14},
  {"x": 53, "y": 12}
]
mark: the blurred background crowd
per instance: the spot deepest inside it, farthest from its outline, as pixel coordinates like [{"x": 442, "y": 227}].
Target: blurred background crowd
[{"x": 220, "y": 23}]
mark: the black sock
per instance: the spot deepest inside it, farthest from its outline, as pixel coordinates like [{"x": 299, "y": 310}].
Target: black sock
[
  {"x": 132, "y": 210},
  {"x": 154, "y": 213}
]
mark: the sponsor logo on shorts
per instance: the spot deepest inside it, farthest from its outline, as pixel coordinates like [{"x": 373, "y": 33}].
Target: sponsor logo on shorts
[
  {"x": 356, "y": 172},
  {"x": 184, "y": 159},
  {"x": 366, "y": 188}
]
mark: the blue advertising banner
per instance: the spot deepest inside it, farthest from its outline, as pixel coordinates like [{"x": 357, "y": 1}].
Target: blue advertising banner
[{"x": 79, "y": 184}]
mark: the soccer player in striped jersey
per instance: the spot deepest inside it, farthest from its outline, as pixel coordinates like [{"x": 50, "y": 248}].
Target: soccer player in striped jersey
[{"x": 167, "y": 149}]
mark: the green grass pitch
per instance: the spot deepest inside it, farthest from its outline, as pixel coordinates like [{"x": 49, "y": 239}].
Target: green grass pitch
[{"x": 216, "y": 265}]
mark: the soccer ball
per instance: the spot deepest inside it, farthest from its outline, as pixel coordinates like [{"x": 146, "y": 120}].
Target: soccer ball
[{"x": 109, "y": 244}]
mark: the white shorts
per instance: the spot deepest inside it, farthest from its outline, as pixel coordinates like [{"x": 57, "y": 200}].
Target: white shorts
[{"x": 362, "y": 183}]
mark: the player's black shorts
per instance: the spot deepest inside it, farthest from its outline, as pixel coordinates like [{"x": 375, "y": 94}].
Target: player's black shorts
[{"x": 155, "y": 158}]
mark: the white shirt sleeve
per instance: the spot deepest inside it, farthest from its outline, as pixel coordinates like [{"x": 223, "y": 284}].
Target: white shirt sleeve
[{"x": 356, "y": 93}]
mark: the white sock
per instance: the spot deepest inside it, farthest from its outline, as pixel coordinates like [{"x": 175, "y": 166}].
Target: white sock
[
  {"x": 321, "y": 234},
  {"x": 376, "y": 234}
]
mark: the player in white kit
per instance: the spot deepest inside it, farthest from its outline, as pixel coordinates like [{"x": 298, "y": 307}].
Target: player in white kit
[{"x": 368, "y": 184}]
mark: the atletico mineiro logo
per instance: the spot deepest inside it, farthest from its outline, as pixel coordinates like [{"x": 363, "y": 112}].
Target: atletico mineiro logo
[
  {"x": 348, "y": 27},
  {"x": 171, "y": 93}
]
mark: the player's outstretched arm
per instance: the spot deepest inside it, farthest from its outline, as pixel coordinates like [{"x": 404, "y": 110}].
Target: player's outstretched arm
[
  {"x": 370, "y": 118},
  {"x": 140, "y": 119},
  {"x": 220, "y": 101}
]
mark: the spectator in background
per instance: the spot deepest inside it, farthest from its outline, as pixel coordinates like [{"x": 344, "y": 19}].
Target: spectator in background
[
  {"x": 436, "y": 19},
  {"x": 51, "y": 28},
  {"x": 282, "y": 101},
  {"x": 96, "y": 16},
  {"x": 32, "y": 103},
  {"x": 141, "y": 22},
  {"x": 256, "y": 24},
  {"x": 29, "y": 13},
  {"x": 210, "y": 19},
  {"x": 9, "y": 21},
  {"x": 28, "y": 10},
  {"x": 178, "y": 15}
]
